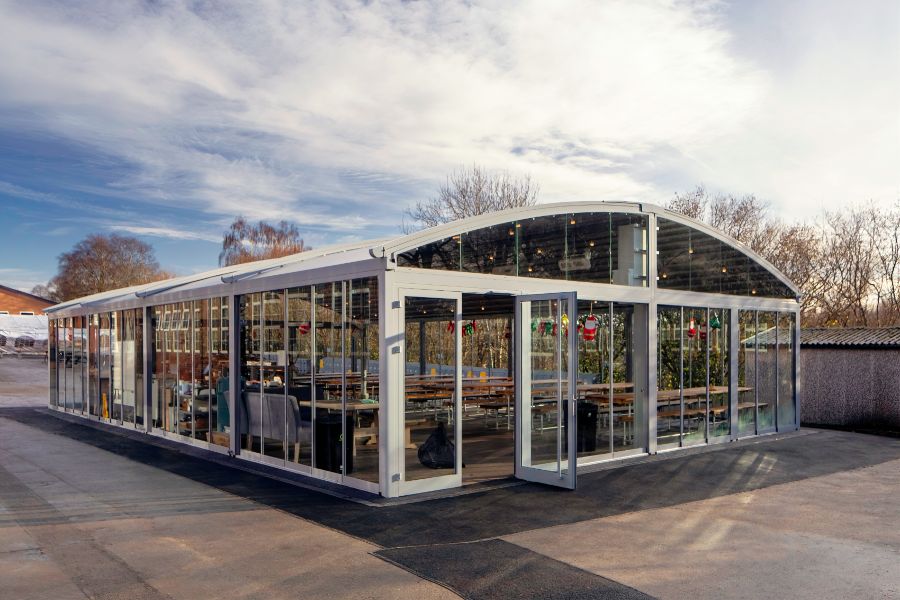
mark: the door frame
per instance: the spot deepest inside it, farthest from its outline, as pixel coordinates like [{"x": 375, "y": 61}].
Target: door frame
[
  {"x": 440, "y": 482},
  {"x": 565, "y": 478}
]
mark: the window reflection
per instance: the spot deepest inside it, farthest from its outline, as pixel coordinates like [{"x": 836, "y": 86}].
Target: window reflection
[
  {"x": 691, "y": 260},
  {"x": 747, "y": 372},
  {"x": 595, "y": 247},
  {"x": 786, "y": 402},
  {"x": 767, "y": 382}
]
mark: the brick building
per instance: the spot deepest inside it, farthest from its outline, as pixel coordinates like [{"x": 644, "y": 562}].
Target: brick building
[{"x": 16, "y": 302}]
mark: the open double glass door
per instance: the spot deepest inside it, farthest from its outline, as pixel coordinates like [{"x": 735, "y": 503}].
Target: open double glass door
[{"x": 546, "y": 355}]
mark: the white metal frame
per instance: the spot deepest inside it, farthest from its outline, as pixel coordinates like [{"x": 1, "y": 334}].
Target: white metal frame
[
  {"x": 378, "y": 259},
  {"x": 439, "y": 482},
  {"x": 566, "y": 472}
]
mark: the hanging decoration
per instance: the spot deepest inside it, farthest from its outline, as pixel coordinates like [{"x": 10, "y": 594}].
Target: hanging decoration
[
  {"x": 304, "y": 328},
  {"x": 565, "y": 324},
  {"x": 451, "y": 326},
  {"x": 703, "y": 331},
  {"x": 548, "y": 327},
  {"x": 469, "y": 329},
  {"x": 714, "y": 322},
  {"x": 692, "y": 328},
  {"x": 534, "y": 325},
  {"x": 589, "y": 325}
]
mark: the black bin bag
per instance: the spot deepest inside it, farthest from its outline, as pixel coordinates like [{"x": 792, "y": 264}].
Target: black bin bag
[{"x": 438, "y": 452}]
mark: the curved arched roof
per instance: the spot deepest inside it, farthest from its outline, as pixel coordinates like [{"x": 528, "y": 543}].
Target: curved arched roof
[
  {"x": 390, "y": 248},
  {"x": 417, "y": 239}
]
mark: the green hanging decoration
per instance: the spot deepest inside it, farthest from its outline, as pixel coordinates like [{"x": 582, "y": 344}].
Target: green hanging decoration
[
  {"x": 534, "y": 325},
  {"x": 714, "y": 322},
  {"x": 469, "y": 329},
  {"x": 548, "y": 328}
]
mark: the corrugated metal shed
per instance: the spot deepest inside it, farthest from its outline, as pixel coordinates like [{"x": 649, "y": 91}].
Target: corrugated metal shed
[{"x": 846, "y": 337}]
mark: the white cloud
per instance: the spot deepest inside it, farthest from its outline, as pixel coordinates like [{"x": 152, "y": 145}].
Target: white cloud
[
  {"x": 166, "y": 232},
  {"x": 289, "y": 110},
  {"x": 21, "y": 279}
]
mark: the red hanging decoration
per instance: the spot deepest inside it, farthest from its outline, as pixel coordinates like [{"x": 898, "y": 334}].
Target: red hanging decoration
[
  {"x": 692, "y": 328},
  {"x": 451, "y": 326},
  {"x": 589, "y": 328},
  {"x": 303, "y": 328},
  {"x": 703, "y": 331}
]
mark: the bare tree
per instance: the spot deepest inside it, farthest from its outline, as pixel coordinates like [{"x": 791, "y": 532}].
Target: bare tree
[
  {"x": 468, "y": 192},
  {"x": 847, "y": 268},
  {"x": 105, "y": 262},
  {"x": 847, "y": 265},
  {"x": 745, "y": 218},
  {"x": 48, "y": 292},
  {"x": 247, "y": 242},
  {"x": 884, "y": 228}
]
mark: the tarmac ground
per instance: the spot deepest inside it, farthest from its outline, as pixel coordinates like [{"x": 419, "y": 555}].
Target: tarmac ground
[{"x": 88, "y": 511}]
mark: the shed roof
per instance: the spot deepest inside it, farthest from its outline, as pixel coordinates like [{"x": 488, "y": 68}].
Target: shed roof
[{"x": 881, "y": 337}]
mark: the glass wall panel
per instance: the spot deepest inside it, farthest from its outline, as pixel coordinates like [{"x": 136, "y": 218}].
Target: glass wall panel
[
  {"x": 219, "y": 359},
  {"x": 251, "y": 337},
  {"x": 184, "y": 377},
  {"x": 429, "y": 351},
  {"x": 694, "y": 356},
  {"x": 139, "y": 401},
  {"x": 625, "y": 421},
  {"x": 115, "y": 363},
  {"x": 489, "y": 250},
  {"x": 52, "y": 358},
  {"x": 299, "y": 376},
  {"x": 595, "y": 412},
  {"x": 596, "y": 247},
  {"x": 669, "y": 382},
  {"x": 273, "y": 416},
  {"x": 94, "y": 365},
  {"x": 547, "y": 386},
  {"x": 361, "y": 368},
  {"x": 747, "y": 372},
  {"x": 128, "y": 365},
  {"x": 158, "y": 368},
  {"x": 78, "y": 352},
  {"x": 786, "y": 403},
  {"x": 105, "y": 366},
  {"x": 692, "y": 260},
  {"x": 766, "y": 374},
  {"x": 330, "y": 427},
  {"x": 201, "y": 370},
  {"x": 71, "y": 363},
  {"x": 719, "y": 373},
  {"x": 61, "y": 360}
]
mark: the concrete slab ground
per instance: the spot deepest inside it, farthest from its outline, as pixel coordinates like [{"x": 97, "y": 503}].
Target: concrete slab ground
[
  {"x": 79, "y": 522},
  {"x": 98, "y": 513},
  {"x": 836, "y": 536}
]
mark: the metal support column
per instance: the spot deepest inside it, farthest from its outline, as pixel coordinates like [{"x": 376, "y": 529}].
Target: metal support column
[
  {"x": 234, "y": 375},
  {"x": 149, "y": 366}
]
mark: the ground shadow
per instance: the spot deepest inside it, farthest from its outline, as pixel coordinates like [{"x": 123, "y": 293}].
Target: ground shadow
[{"x": 496, "y": 512}]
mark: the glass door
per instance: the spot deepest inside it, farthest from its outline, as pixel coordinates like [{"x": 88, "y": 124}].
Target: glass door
[
  {"x": 547, "y": 359},
  {"x": 432, "y": 379}
]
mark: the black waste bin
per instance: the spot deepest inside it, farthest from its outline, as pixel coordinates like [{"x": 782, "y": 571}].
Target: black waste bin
[
  {"x": 586, "y": 427},
  {"x": 328, "y": 434}
]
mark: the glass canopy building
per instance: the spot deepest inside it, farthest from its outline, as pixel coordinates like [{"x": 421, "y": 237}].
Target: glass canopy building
[{"x": 526, "y": 343}]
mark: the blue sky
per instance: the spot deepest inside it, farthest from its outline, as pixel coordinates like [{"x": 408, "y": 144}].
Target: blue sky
[{"x": 166, "y": 120}]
